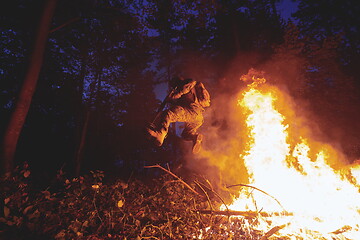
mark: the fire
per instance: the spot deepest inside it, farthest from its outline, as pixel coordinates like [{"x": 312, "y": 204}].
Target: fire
[
  {"x": 282, "y": 162},
  {"x": 355, "y": 171}
]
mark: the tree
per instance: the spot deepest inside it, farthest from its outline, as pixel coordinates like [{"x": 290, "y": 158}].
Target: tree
[
  {"x": 28, "y": 88},
  {"x": 323, "y": 19}
]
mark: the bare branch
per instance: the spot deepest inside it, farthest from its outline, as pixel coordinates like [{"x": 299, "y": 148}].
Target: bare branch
[
  {"x": 172, "y": 174},
  {"x": 244, "y": 185},
  {"x": 64, "y": 25}
]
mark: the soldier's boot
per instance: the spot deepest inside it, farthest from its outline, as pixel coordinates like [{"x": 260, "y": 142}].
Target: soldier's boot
[
  {"x": 197, "y": 143},
  {"x": 157, "y": 135}
]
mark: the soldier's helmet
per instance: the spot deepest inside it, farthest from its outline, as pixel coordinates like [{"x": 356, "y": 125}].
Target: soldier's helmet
[{"x": 175, "y": 81}]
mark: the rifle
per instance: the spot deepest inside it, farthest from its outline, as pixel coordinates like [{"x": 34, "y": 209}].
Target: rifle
[{"x": 162, "y": 105}]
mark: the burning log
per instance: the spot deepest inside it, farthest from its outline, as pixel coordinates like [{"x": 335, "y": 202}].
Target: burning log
[{"x": 248, "y": 214}]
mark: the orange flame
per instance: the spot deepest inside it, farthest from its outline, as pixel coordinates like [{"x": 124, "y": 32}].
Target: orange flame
[{"x": 282, "y": 162}]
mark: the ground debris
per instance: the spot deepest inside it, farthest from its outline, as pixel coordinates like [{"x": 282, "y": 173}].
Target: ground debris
[{"x": 88, "y": 208}]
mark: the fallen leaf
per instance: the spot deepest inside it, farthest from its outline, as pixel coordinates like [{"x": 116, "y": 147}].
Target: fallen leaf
[
  {"x": 120, "y": 203},
  {"x": 26, "y": 173},
  {"x": 85, "y": 224},
  {"x": 61, "y": 235},
  {"x": 26, "y": 210},
  {"x": 6, "y": 211},
  {"x": 124, "y": 185}
]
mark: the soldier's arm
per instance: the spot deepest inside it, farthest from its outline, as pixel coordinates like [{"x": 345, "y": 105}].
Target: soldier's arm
[{"x": 178, "y": 92}]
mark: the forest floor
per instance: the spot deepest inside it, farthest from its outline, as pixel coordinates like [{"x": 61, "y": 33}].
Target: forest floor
[{"x": 87, "y": 208}]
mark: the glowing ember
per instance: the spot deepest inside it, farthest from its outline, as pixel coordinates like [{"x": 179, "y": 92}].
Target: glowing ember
[{"x": 323, "y": 202}]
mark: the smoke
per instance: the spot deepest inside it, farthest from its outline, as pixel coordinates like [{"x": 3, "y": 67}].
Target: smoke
[
  {"x": 225, "y": 131},
  {"x": 327, "y": 100}
]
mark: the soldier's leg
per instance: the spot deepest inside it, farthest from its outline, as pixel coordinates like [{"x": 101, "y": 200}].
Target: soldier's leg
[
  {"x": 160, "y": 130},
  {"x": 190, "y": 133}
]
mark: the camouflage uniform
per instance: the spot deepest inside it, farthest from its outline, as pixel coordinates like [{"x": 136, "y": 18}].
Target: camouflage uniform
[{"x": 184, "y": 108}]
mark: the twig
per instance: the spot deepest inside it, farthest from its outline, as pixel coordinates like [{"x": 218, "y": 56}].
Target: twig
[
  {"x": 171, "y": 181},
  {"x": 96, "y": 210},
  {"x": 64, "y": 24},
  {"x": 254, "y": 201},
  {"x": 218, "y": 195},
  {"x": 244, "y": 185},
  {"x": 208, "y": 182},
  {"x": 342, "y": 230},
  {"x": 272, "y": 231},
  {"x": 213, "y": 191},
  {"x": 172, "y": 174},
  {"x": 165, "y": 183},
  {"x": 151, "y": 237},
  {"x": 207, "y": 196},
  {"x": 169, "y": 226}
]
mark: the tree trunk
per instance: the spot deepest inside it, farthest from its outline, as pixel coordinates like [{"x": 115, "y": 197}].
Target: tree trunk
[
  {"x": 82, "y": 111},
  {"x": 19, "y": 114},
  {"x": 80, "y": 149}
]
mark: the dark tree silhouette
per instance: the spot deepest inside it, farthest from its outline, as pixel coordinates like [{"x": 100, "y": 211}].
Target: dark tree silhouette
[
  {"x": 330, "y": 31},
  {"x": 28, "y": 88}
]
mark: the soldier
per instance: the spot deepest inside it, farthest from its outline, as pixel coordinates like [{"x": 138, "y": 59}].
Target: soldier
[{"x": 187, "y": 101}]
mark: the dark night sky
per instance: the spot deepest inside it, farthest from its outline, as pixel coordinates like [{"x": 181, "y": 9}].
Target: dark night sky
[{"x": 286, "y": 8}]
